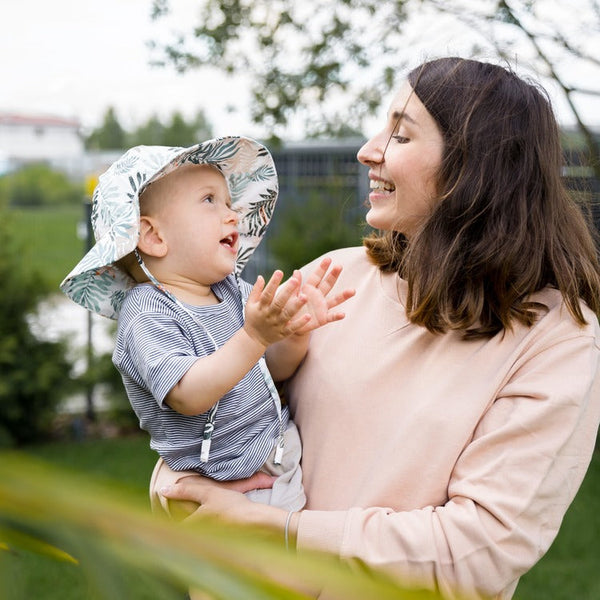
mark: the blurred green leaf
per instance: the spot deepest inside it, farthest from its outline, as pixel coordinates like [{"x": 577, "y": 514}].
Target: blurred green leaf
[{"x": 105, "y": 529}]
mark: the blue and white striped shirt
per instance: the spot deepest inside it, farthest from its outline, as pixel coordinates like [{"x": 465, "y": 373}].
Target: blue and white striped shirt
[{"x": 157, "y": 342}]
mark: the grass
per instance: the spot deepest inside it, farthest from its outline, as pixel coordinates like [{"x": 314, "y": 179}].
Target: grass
[
  {"x": 125, "y": 461},
  {"x": 569, "y": 570},
  {"x": 49, "y": 239}
]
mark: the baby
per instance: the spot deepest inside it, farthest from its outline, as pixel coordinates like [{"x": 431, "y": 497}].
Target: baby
[{"x": 173, "y": 226}]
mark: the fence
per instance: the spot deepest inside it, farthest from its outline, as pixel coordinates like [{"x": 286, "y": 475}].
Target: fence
[{"x": 309, "y": 168}]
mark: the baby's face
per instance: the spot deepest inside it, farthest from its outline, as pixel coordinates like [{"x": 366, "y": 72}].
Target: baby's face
[{"x": 192, "y": 209}]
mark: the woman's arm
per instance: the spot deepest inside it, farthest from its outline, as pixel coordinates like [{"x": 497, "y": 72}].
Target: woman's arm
[
  {"x": 508, "y": 491},
  {"x": 507, "y": 495}
]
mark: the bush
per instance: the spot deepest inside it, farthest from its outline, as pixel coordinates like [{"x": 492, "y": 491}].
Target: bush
[
  {"x": 38, "y": 185},
  {"x": 307, "y": 228},
  {"x": 34, "y": 374}
]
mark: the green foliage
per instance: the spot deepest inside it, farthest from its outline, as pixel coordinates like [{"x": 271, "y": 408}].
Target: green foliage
[
  {"x": 328, "y": 62},
  {"x": 109, "y": 136},
  {"x": 307, "y": 228},
  {"x": 47, "y": 240},
  {"x": 176, "y": 132},
  {"x": 38, "y": 185},
  {"x": 111, "y": 535},
  {"x": 34, "y": 374},
  {"x": 300, "y": 55},
  {"x": 181, "y": 133},
  {"x": 568, "y": 571}
]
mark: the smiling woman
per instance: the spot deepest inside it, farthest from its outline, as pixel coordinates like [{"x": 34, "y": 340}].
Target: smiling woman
[
  {"x": 404, "y": 185},
  {"x": 448, "y": 421}
]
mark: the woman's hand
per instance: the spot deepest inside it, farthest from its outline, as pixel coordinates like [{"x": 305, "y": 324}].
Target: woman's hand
[{"x": 226, "y": 500}]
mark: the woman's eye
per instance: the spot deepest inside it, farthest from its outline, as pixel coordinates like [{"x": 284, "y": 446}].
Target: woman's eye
[{"x": 401, "y": 139}]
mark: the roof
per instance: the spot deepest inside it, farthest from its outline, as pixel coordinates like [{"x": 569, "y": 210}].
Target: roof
[{"x": 37, "y": 120}]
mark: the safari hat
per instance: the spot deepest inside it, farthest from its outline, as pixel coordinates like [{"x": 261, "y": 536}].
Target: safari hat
[{"x": 97, "y": 282}]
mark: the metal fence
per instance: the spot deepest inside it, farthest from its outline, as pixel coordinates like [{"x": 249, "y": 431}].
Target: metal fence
[{"x": 315, "y": 168}]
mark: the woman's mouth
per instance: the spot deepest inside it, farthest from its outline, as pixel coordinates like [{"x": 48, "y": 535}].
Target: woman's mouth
[{"x": 382, "y": 185}]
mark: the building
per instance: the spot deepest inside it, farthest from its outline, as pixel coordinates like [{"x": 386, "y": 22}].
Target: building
[{"x": 51, "y": 140}]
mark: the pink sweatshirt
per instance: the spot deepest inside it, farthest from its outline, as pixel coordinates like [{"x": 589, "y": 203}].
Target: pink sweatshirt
[{"x": 447, "y": 463}]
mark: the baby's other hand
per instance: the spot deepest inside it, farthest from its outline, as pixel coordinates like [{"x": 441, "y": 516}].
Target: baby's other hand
[
  {"x": 319, "y": 304},
  {"x": 273, "y": 311}
]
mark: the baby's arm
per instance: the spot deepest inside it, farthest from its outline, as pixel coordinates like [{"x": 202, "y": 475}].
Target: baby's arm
[
  {"x": 271, "y": 315},
  {"x": 284, "y": 357}
]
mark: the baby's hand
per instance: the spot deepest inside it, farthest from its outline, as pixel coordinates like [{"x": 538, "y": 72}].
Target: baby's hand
[
  {"x": 273, "y": 312},
  {"x": 316, "y": 289}
]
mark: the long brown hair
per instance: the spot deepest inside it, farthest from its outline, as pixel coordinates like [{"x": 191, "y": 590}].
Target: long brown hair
[{"x": 504, "y": 225}]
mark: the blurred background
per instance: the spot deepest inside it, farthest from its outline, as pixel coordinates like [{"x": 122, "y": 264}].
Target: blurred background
[{"x": 85, "y": 80}]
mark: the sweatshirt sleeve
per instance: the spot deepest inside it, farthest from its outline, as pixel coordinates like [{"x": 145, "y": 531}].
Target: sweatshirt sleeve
[{"x": 508, "y": 492}]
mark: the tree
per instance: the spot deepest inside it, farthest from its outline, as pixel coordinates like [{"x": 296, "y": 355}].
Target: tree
[
  {"x": 109, "y": 136},
  {"x": 181, "y": 133},
  {"x": 321, "y": 62},
  {"x": 558, "y": 41},
  {"x": 176, "y": 132},
  {"x": 34, "y": 374},
  {"x": 309, "y": 227},
  {"x": 150, "y": 133}
]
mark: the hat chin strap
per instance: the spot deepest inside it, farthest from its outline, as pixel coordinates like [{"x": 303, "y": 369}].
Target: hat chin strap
[
  {"x": 210, "y": 419},
  {"x": 151, "y": 277}
]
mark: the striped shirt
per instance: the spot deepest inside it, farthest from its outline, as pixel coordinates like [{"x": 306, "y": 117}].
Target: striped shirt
[{"x": 157, "y": 342}]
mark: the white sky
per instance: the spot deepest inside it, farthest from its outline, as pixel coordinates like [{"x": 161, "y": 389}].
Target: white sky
[{"x": 74, "y": 58}]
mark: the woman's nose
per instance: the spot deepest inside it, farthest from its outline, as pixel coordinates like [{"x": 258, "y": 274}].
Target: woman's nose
[{"x": 372, "y": 152}]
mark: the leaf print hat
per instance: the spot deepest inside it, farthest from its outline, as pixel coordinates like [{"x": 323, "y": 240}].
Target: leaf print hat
[{"x": 97, "y": 282}]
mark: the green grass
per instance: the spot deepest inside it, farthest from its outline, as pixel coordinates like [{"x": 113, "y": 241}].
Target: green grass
[
  {"x": 49, "y": 239},
  {"x": 569, "y": 570},
  {"x": 127, "y": 462}
]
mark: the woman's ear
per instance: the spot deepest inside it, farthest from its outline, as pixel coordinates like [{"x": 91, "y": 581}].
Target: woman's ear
[{"x": 151, "y": 241}]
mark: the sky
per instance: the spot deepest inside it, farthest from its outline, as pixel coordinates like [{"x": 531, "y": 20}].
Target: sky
[{"x": 75, "y": 58}]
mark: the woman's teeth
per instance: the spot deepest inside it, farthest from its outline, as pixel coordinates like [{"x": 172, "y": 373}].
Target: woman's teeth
[{"x": 378, "y": 184}]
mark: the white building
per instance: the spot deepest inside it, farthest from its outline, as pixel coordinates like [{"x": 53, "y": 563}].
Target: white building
[{"x": 53, "y": 140}]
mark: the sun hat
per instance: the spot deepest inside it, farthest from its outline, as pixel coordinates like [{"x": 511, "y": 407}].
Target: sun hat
[{"x": 97, "y": 283}]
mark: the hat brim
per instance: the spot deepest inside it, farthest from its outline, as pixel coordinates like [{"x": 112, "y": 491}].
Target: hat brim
[{"x": 97, "y": 282}]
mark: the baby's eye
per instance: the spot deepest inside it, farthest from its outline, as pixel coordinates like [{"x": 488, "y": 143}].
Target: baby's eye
[
  {"x": 210, "y": 199},
  {"x": 401, "y": 139}
]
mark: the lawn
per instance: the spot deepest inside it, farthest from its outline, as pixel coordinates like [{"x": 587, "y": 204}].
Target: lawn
[
  {"x": 126, "y": 461},
  {"x": 569, "y": 570},
  {"x": 49, "y": 239}
]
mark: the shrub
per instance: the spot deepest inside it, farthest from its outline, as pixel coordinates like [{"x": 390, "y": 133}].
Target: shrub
[
  {"x": 38, "y": 185},
  {"x": 34, "y": 374}
]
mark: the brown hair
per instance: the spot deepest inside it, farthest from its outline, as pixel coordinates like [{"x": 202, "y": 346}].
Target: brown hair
[{"x": 504, "y": 225}]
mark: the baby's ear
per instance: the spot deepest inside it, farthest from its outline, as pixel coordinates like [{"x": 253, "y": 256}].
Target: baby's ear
[{"x": 151, "y": 241}]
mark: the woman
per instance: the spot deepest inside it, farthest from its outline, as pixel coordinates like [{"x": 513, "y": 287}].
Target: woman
[{"x": 448, "y": 421}]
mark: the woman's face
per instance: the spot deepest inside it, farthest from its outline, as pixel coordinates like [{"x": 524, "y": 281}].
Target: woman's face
[{"x": 404, "y": 159}]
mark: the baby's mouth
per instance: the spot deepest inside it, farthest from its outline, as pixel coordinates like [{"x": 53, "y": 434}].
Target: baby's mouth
[{"x": 230, "y": 240}]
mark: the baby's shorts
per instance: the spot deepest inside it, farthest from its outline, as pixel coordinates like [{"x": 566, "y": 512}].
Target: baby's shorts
[{"x": 287, "y": 491}]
